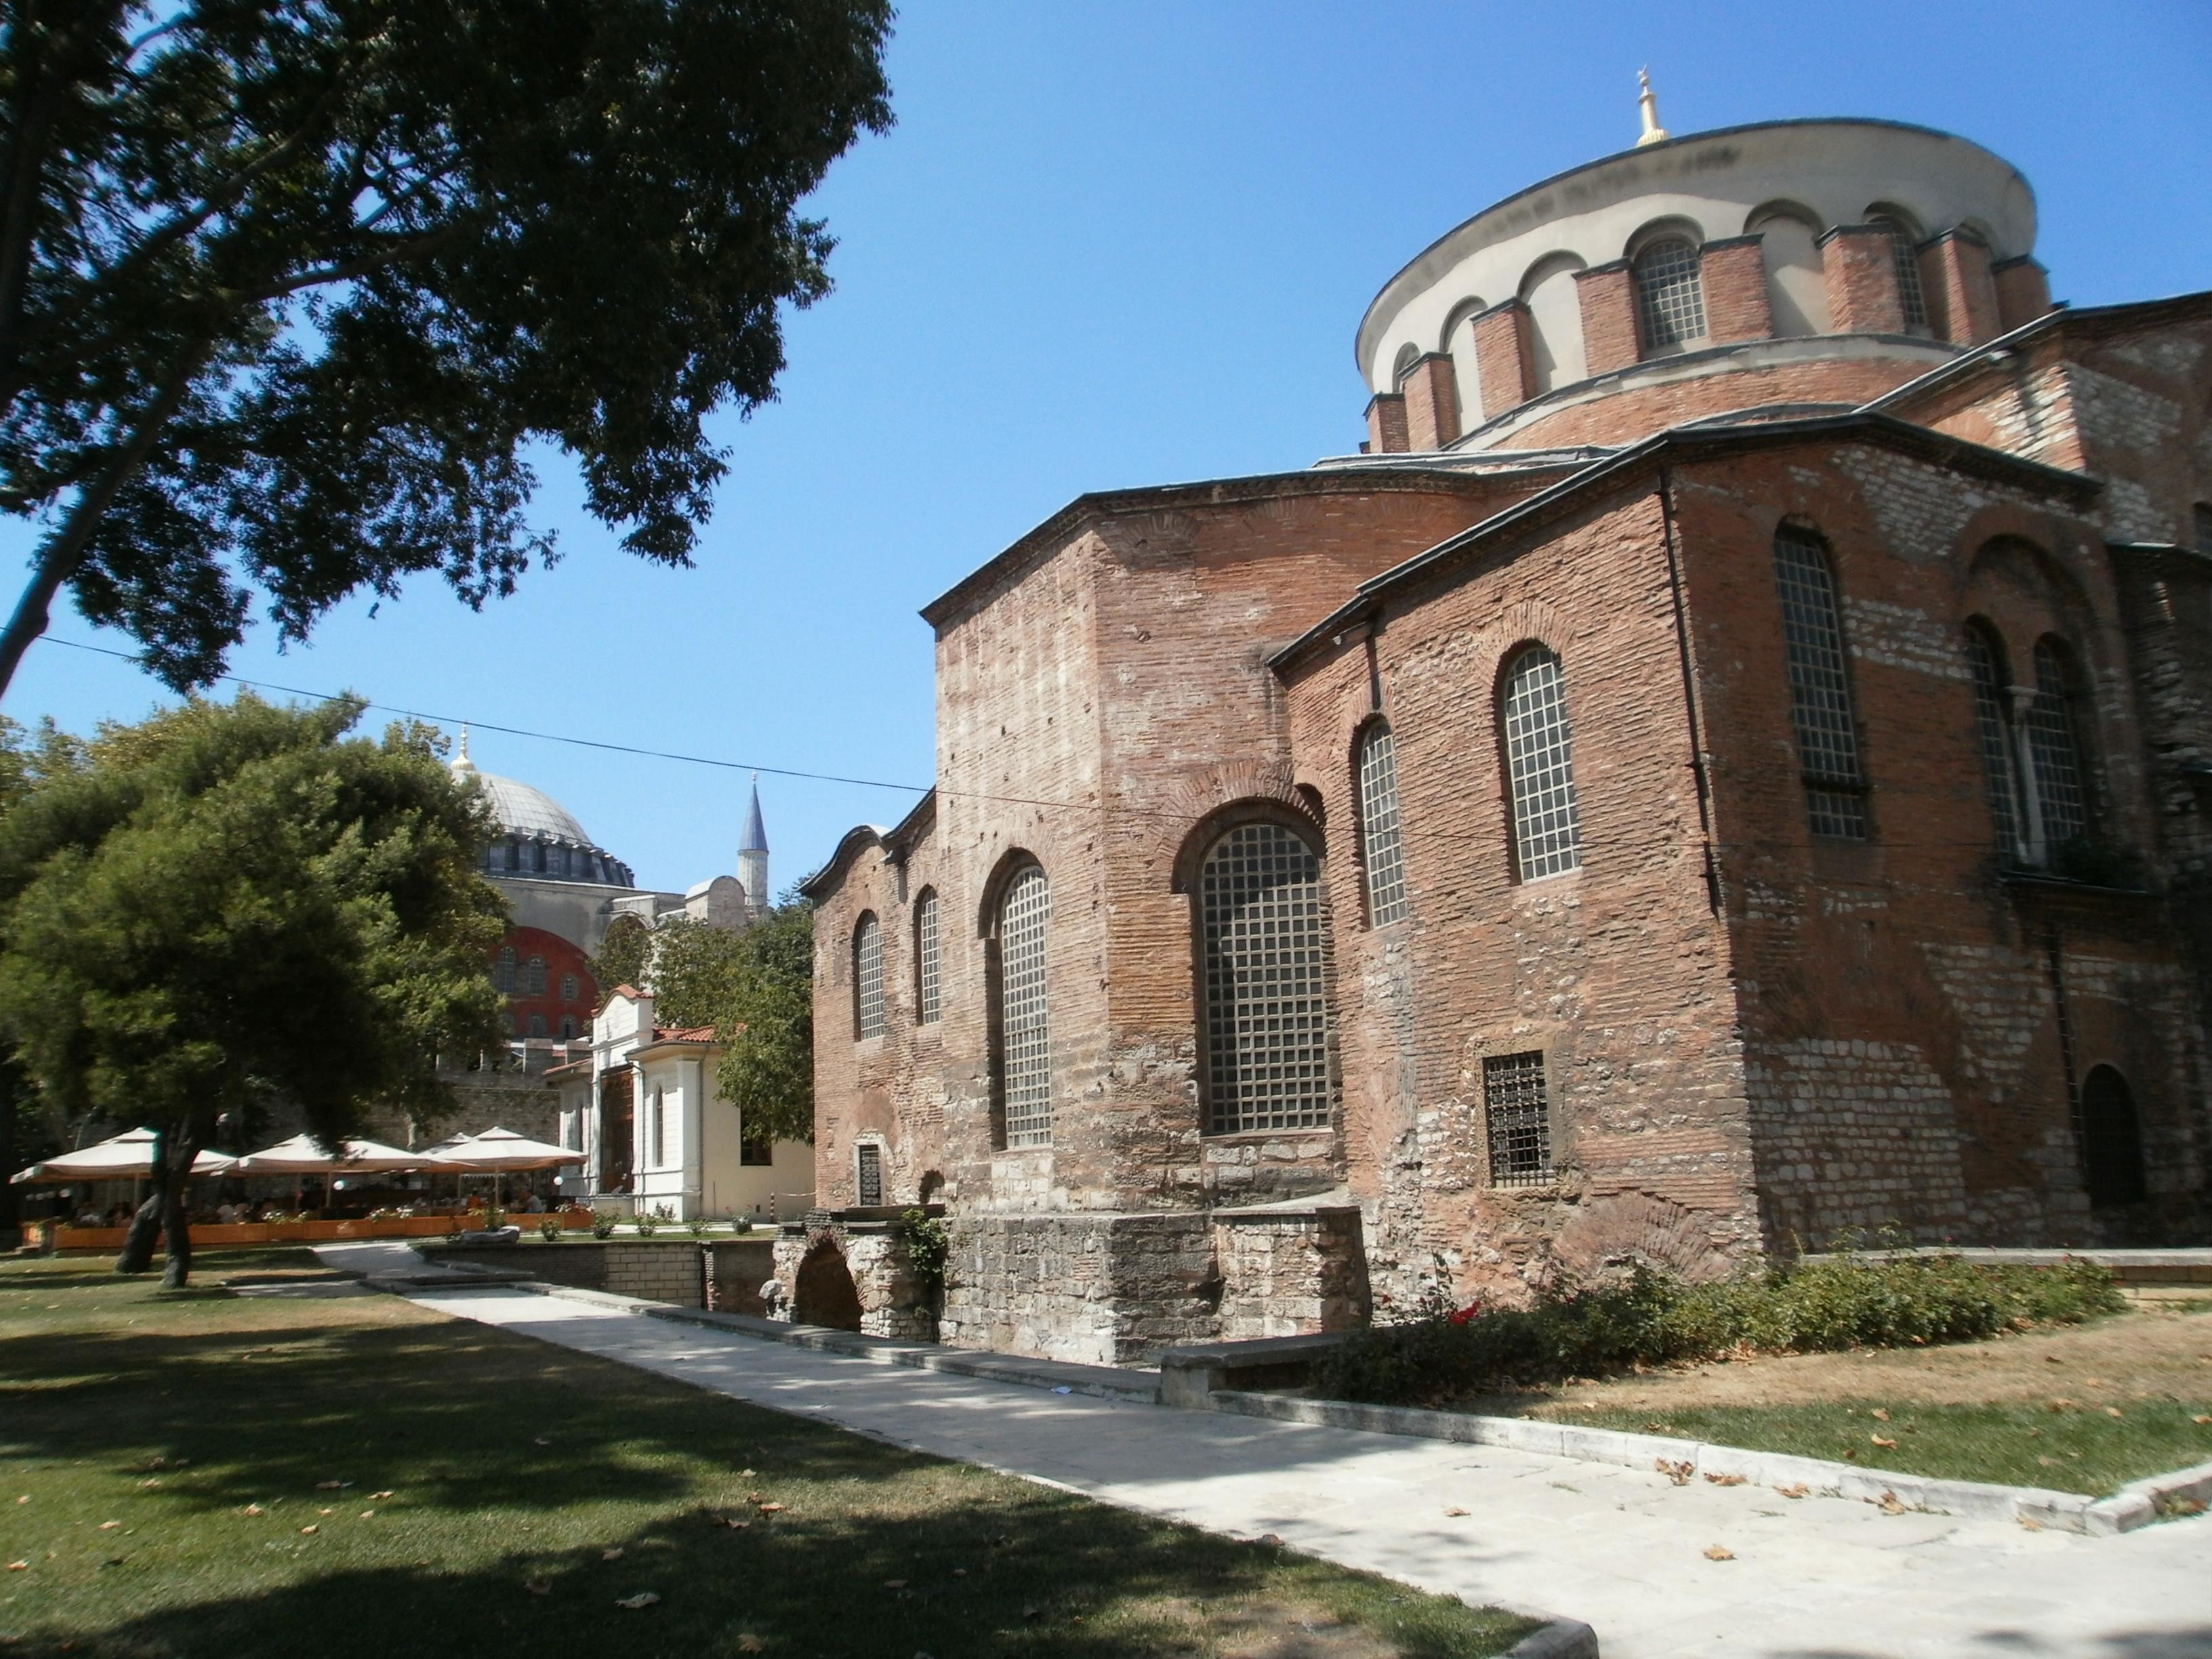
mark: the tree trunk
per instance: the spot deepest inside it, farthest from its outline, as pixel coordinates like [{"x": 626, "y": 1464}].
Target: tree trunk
[
  {"x": 138, "y": 1244},
  {"x": 11, "y": 1205},
  {"x": 176, "y": 1228}
]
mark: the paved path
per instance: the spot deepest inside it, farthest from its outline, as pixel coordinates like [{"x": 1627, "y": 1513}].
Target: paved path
[{"x": 1619, "y": 1548}]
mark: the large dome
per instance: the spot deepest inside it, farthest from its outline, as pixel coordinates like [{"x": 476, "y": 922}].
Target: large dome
[{"x": 539, "y": 839}]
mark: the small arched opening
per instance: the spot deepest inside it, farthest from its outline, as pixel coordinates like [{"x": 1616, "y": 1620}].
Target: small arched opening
[
  {"x": 2112, "y": 1141},
  {"x": 824, "y": 1292}
]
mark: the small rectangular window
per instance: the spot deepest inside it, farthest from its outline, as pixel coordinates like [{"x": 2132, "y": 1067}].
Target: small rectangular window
[
  {"x": 871, "y": 1160},
  {"x": 757, "y": 1150},
  {"x": 1518, "y": 1119}
]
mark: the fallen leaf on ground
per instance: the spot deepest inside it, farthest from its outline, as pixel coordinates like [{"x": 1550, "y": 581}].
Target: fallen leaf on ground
[
  {"x": 379, "y": 1495},
  {"x": 2031, "y": 1524},
  {"x": 749, "y": 1642},
  {"x": 1888, "y": 1445},
  {"x": 2095, "y": 1382},
  {"x": 2052, "y": 1359},
  {"x": 1800, "y": 1489},
  {"x": 332, "y": 1486},
  {"x": 1678, "y": 1473},
  {"x": 308, "y": 1529},
  {"x": 2061, "y": 1405},
  {"x": 325, "y": 1511},
  {"x": 26, "y": 1497},
  {"x": 894, "y": 1584},
  {"x": 538, "y": 1586},
  {"x": 2114, "y": 1411},
  {"x": 1726, "y": 1479},
  {"x": 642, "y": 1599},
  {"x": 771, "y": 1509},
  {"x": 543, "y": 1441},
  {"x": 19, "y": 1566},
  {"x": 109, "y": 1526},
  {"x": 1454, "y": 1509},
  {"x": 613, "y": 1554},
  {"x": 747, "y": 1474},
  {"x": 1716, "y": 1552},
  {"x": 1879, "y": 1414},
  {"x": 367, "y": 1515},
  {"x": 146, "y": 1486},
  {"x": 254, "y": 1508},
  {"x": 2050, "y": 1462},
  {"x": 1890, "y": 1504},
  {"x": 2200, "y": 1416}
]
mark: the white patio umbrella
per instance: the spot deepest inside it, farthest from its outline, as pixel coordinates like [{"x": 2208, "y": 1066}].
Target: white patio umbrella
[
  {"x": 300, "y": 1156},
  {"x": 497, "y": 1152},
  {"x": 126, "y": 1157}
]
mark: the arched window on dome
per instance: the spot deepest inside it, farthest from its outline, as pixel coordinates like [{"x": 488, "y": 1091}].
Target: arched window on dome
[
  {"x": 1403, "y": 365},
  {"x": 567, "y": 1028},
  {"x": 1670, "y": 296},
  {"x": 533, "y": 977},
  {"x": 569, "y": 988},
  {"x": 1904, "y": 255},
  {"x": 502, "y": 972},
  {"x": 868, "y": 978}
]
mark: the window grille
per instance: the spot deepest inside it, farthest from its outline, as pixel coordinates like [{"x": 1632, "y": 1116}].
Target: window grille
[
  {"x": 925, "y": 957},
  {"x": 1670, "y": 297},
  {"x": 2112, "y": 1141},
  {"x": 533, "y": 977},
  {"x": 1540, "y": 767},
  {"x": 537, "y": 1025},
  {"x": 1820, "y": 691},
  {"x": 1518, "y": 1119},
  {"x": 1024, "y": 1029},
  {"x": 503, "y": 973},
  {"x": 569, "y": 986},
  {"x": 2054, "y": 748},
  {"x": 1905, "y": 254},
  {"x": 1995, "y": 733},
  {"x": 870, "y": 1158},
  {"x": 1381, "y": 847},
  {"x": 1267, "y": 1017},
  {"x": 868, "y": 979}
]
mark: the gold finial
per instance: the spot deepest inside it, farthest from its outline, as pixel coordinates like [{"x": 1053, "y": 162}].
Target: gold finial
[
  {"x": 462, "y": 764},
  {"x": 1647, "y": 102}
]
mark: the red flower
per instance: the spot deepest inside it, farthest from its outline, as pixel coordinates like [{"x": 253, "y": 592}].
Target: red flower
[{"x": 1467, "y": 1314}]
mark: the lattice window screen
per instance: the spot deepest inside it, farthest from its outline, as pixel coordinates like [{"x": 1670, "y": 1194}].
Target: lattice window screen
[
  {"x": 1380, "y": 843},
  {"x": 1517, "y": 1117},
  {"x": 1820, "y": 689},
  {"x": 868, "y": 979},
  {"x": 1906, "y": 257},
  {"x": 2053, "y": 744},
  {"x": 503, "y": 973},
  {"x": 1025, "y": 1036},
  {"x": 870, "y": 1159},
  {"x": 1267, "y": 1017},
  {"x": 1669, "y": 297},
  {"x": 1540, "y": 767},
  {"x": 1996, "y": 733},
  {"x": 925, "y": 957}
]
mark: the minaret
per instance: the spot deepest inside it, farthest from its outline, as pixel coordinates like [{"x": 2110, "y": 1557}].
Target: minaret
[
  {"x": 753, "y": 856},
  {"x": 1647, "y": 103},
  {"x": 463, "y": 766}
]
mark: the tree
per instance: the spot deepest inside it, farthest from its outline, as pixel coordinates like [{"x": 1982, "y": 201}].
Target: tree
[
  {"x": 625, "y": 957},
  {"x": 231, "y": 904},
  {"x": 287, "y": 287}
]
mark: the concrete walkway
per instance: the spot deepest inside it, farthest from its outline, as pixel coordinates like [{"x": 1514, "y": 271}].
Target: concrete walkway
[{"x": 1622, "y": 1549}]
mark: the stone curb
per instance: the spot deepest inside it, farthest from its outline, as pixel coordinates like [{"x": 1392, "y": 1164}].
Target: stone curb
[
  {"x": 1097, "y": 1381},
  {"x": 1563, "y": 1639},
  {"x": 2132, "y": 1506}
]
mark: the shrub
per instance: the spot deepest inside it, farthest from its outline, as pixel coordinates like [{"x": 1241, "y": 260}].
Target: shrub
[
  {"x": 698, "y": 1225},
  {"x": 548, "y": 1229},
  {"x": 1571, "y": 1329},
  {"x": 929, "y": 1243},
  {"x": 650, "y": 1222},
  {"x": 603, "y": 1224}
]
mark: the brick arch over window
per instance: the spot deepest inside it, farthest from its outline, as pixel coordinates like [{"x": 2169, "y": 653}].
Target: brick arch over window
[
  {"x": 1267, "y": 1055},
  {"x": 1535, "y": 741},
  {"x": 1017, "y": 955}
]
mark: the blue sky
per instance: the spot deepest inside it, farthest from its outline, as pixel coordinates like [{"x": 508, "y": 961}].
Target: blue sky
[{"x": 1125, "y": 244}]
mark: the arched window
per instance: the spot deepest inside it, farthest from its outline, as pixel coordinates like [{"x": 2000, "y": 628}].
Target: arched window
[
  {"x": 567, "y": 1028},
  {"x": 1904, "y": 255},
  {"x": 1022, "y": 1045},
  {"x": 1403, "y": 365},
  {"x": 1381, "y": 850},
  {"x": 533, "y": 977},
  {"x": 1820, "y": 689},
  {"x": 537, "y": 857},
  {"x": 927, "y": 955},
  {"x": 1993, "y": 724},
  {"x": 537, "y": 1025},
  {"x": 1266, "y": 1015},
  {"x": 1670, "y": 301},
  {"x": 2112, "y": 1141},
  {"x": 2054, "y": 748},
  {"x": 868, "y": 978},
  {"x": 502, "y": 972},
  {"x": 1540, "y": 766},
  {"x": 569, "y": 988}
]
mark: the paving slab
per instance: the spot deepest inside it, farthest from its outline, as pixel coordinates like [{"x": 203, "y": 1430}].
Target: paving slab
[{"x": 1625, "y": 1549}]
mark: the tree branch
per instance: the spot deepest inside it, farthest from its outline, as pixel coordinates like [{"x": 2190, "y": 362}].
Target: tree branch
[{"x": 64, "y": 550}]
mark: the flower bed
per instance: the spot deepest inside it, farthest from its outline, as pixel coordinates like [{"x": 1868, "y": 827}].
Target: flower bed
[{"x": 69, "y": 1239}]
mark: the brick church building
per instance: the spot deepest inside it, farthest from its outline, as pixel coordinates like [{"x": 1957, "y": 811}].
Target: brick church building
[{"x": 1726, "y": 765}]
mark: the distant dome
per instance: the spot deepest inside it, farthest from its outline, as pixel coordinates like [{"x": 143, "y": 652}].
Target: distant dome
[
  {"x": 539, "y": 838},
  {"x": 523, "y": 811}
]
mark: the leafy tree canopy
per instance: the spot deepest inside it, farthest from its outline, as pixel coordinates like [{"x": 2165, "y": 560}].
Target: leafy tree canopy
[
  {"x": 229, "y": 904},
  {"x": 288, "y": 286},
  {"x": 756, "y": 988}
]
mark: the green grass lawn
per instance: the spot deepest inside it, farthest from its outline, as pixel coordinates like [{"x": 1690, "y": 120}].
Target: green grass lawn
[
  {"x": 167, "y": 1464},
  {"x": 2078, "y": 1448}
]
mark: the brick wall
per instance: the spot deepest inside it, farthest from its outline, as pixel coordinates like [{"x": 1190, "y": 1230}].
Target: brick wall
[
  {"x": 1636, "y": 410},
  {"x": 1862, "y": 276},
  {"x": 1431, "y": 394},
  {"x": 658, "y": 1272},
  {"x": 1735, "y": 278},
  {"x": 1607, "y": 293}
]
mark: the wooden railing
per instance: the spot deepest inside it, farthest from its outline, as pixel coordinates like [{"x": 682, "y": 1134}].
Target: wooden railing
[{"x": 215, "y": 1234}]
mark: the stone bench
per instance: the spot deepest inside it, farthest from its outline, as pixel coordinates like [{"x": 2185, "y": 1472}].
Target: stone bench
[{"x": 1191, "y": 1371}]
